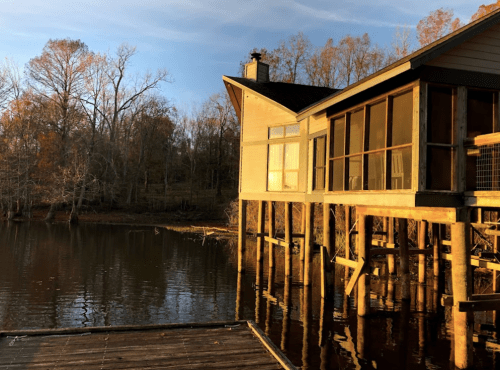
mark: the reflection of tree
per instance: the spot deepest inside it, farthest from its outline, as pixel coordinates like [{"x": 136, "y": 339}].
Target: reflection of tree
[{"x": 96, "y": 275}]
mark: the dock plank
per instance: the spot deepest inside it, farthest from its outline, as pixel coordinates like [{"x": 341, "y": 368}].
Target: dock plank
[{"x": 167, "y": 347}]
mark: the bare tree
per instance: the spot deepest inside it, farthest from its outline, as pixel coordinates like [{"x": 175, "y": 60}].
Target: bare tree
[{"x": 324, "y": 67}]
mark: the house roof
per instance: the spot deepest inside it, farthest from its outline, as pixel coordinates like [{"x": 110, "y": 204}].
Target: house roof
[
  {"x": 293, "y": 97},
  {"x": 410, "y": 62}
]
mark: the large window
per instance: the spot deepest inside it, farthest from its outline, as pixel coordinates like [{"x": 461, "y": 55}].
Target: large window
[
  {"x": 370, "y": 146},
  {"x": 283, "y": 158}
]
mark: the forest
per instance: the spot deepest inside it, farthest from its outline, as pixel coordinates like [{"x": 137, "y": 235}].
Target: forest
[{"x": 78, "y": 129}]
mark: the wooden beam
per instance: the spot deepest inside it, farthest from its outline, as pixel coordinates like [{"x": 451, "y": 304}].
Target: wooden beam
[
  {"x": 431, "y": 214},
  {"x": 346, "y": 262},
  {"x": 475, "y": 261},
  {"x": 446, "y": 242},
  {"x": 447, "y": 299},
  {"x": 479, "y": 305},
  {"x": 355, "y": 275},
  {"x": 381, "y": 243},
  {"x": 391, "y": 251},
  {"x": 280, "y": 242}
]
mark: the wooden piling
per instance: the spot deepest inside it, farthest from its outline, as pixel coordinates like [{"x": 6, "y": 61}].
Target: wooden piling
[
  {"x": 390, "y": 240},
  {"x": 436, "y": 250},
  {"x": 302, "y": 240},
  {"x": 242, "y": 231},
  {"x": 287, "y": 301},
  {"x": 462, "y": 291},
  {"x": 261, "y": 222},
  {"x": 347, "y": 237},
  {"x": 239, "y": 297},
  {"x": 404, "y": 259},
  {"x": 364, "y": 243},
  {"x": 422, "y": 235},
  {"x": 272, "y": 231},
  {"x": 329, "y": 236},
  {"x": 288, "y": 239},
  {"x": 308, "y": 251}
]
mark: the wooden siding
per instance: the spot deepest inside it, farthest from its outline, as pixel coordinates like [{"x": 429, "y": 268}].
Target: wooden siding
[
  {"x": 254, "y": 168},
  {"x": 318, "y": 122},
  {"x": 259, "y": 114},
  {"x": 480, "y": 54}
]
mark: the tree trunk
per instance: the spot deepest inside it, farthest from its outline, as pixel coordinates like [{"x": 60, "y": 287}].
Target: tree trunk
[{"x": 52, "y": 213}]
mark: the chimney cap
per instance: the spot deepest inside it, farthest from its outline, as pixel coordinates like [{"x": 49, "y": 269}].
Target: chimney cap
[{"x": 256, "y": 56}]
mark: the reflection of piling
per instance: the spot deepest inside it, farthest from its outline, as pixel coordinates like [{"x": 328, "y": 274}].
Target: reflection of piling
[
  {"x": 287, "y": 302},
  {"x": 363, "y": 338},
  {"x": 272, "y": 231},
  {"x": 404, "y": 259},
  {"x": 306, "y": 326},
  {"x": 421, "y": 298},
  {"x": 404, "y": 326},
  {"x": 364, "y": 243},
  {"x": 239, "y": 298},
  {"x": 242, "y": 230},
  {"x": 308, "y": 251},
  {"x": 269, "y": 306},
  {"x": 325, "y": 321},
  {"x": 462, "y": 291},
  {"x": 288, "y": 240}
]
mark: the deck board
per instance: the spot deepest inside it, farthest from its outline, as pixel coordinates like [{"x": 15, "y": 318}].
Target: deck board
[{"x": 168, "y": 347}]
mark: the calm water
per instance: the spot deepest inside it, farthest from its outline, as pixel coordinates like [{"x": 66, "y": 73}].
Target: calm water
[{"x": 91, "y": 275}]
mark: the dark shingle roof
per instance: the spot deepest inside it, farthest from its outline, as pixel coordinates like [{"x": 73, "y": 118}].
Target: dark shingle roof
[{"x": 292, "y": 96}]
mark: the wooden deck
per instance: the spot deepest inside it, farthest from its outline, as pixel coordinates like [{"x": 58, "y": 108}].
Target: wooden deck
[{"x": 228, "y": 345}]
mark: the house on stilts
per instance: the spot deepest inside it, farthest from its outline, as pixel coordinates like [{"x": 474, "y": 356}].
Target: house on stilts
[{"x": 417, "y": 140}]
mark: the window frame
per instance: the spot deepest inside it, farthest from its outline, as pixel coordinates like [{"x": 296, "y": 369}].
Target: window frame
[
  {"x": 315, "y": 166},
  {"x": 283, "y": 140},
  {"x": 365, "y": 152}
]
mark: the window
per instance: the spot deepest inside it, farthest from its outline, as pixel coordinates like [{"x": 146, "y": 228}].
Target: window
[
  {"x": 319, "y": 167},
  {"x": 440, "y": 137},
  {"x": 283, "y": 158},
  {"x": 371, "y": 146}
]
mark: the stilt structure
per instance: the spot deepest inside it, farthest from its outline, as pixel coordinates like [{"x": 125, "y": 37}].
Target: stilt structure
[{"x": 417, "y": 142}]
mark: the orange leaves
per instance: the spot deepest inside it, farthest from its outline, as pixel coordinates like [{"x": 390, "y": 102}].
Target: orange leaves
[
  {"x": 485, "y": 10},
  {"x": 437, "y": 24}
]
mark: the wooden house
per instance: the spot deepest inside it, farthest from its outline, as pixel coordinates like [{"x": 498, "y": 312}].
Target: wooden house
[{"x": 419, "y": 139}]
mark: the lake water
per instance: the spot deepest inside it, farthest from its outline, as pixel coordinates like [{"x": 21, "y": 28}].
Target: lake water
[{"x": 53, "y": 275}]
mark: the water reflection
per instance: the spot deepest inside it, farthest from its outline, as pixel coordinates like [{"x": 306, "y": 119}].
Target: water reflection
[{"x": 55, "y": 276}]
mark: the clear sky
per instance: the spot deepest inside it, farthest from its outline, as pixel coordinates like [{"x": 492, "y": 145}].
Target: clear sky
[{"x": 198, "y": 41}]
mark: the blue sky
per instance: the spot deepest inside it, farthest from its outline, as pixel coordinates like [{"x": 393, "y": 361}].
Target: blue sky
[{"x": 198, "y": 41}]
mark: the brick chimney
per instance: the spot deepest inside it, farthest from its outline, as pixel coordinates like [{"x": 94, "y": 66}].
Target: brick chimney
[{"x": 256, "y": 70}]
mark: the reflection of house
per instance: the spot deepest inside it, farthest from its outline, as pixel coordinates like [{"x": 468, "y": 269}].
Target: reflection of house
[{"x": 417, "y": 140}]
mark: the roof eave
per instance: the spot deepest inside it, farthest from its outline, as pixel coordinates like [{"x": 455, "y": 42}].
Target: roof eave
[{"x": 273, "y": 102}]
